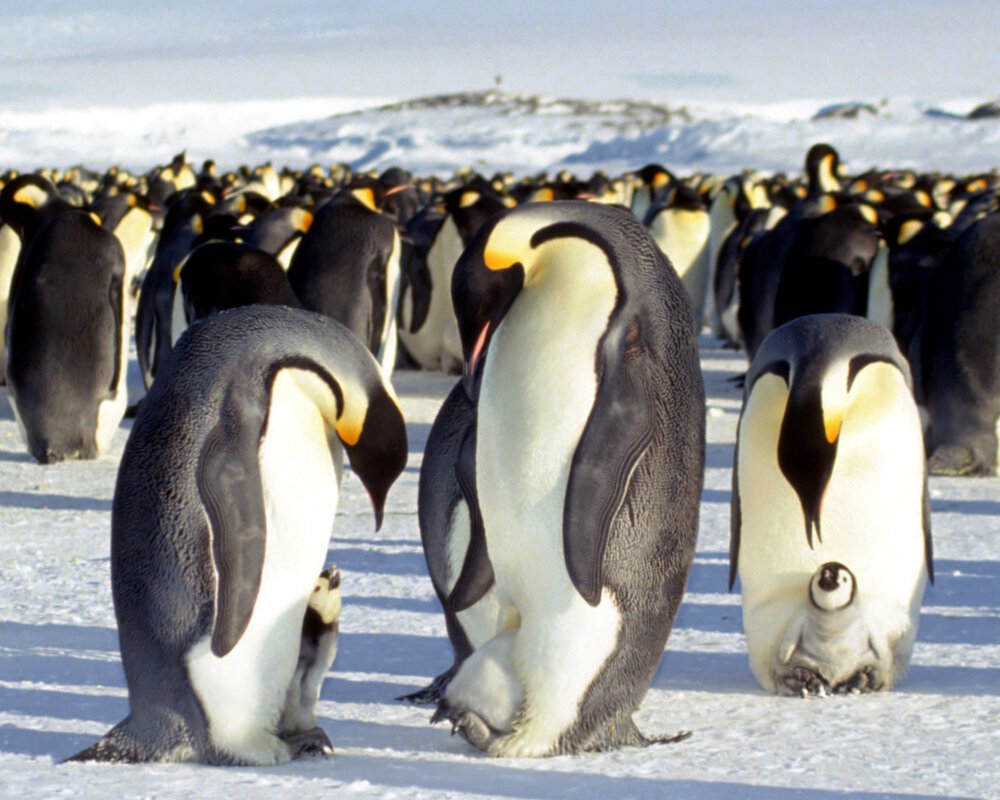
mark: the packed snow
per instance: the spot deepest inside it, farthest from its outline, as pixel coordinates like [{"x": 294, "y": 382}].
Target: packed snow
[{"x": 721, "y": 89}]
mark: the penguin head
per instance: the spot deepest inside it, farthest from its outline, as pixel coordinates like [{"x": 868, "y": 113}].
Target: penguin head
[
  {"x": 23, "y": 198},
  {"x": 509, "y": 253},
  {"x": 822, "y": 167},
  {"x": 482, "y": 293},
  {"x": 832, "y": 587}
]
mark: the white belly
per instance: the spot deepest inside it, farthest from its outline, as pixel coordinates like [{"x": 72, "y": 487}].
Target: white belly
[
  {"x": 387, "y": 348},
  {"x": 439, "y": 331},
  {"x": 243, "y": 694},
  {"x": 871, "y": 519},
  {"x": 538, "y": 389}
]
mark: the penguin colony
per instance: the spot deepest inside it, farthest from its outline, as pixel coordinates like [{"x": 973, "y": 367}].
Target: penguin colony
[{"x": 268, "y": 307}]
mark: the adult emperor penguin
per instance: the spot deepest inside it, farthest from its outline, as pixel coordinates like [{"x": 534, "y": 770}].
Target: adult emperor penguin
[
  {"x": 588, "y": 465},
  {"x": 219, "y": 275},
  {"x": 830, "y": 511},
  {"x": 440, "y": 233},
  {"x": 959, "y": 355},
  {"x": 680, "y": 226},
  {"x": 451, "y": 530},
  {"x": 347, "y": 267},
  {"x": 221, "y": 521},
  {"x": 67, "y": 341}
]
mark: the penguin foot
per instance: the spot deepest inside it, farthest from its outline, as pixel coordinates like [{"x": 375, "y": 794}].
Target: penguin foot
[
  {"x": 863, "y": 681},
  {"x": 467, "y": 724},
  {"x": 309, "y": 744},
  {"x": 804, "y": 682},
  {"x": 953, "y": 459},
  {"x": 680, "y": 736},
  {"x": 432, "y": 693}
]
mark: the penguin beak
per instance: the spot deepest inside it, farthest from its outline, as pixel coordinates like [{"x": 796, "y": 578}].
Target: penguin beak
[{"x": 469, "y": 368}]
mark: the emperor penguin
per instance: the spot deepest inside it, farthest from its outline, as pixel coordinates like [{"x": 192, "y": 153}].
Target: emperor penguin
[
  {"x": 737, "y": 196},
  {"x": 221, "y": 521},
  {"x": 10, "y": 252},
  {"x": 440, "y": 232},
  {"x": 219, "y": 275},
  {"x": 317, "y": 651},
  {"x": 589, "y": 458},
  {"x": 183, "y": 228},
  {"x": 454, "y": 542},
  {"x": 959, "y": 355},
  {"x": 67, "y": 340},
  {"x": 347, "y": 267},
  {"x": 830, "y": 514},
  {"x": 279, "y": 231},
  {"x": 680, "y": 225}
]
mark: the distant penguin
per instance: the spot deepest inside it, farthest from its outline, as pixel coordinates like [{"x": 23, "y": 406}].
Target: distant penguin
[
  {"x": 221, "y": 521},
  {"x": 959, "y": 355},
  {"x": 183, "y": 228},
  {"x": 738, "y": 195},
  {"x": 347, "y": 267},
  {"x": 428, "y": 329},
  {"x": 651, "y": 183},
  {"x": 279, "y": 231},
  {"x": 451, "y": 530},
  {"x": 67, "y": 341},
  {"x": 588, "y": 466},
  {"x": 10, "y": 251},
  {"x": 827, "y": 268},
  {"x": 220, "y": 275},
  {"x": 822, "y": 166},
  {"x": 830, "y": 511},
  {"x": 134, "y": 229},
  {"x": 317, "y": 651},
  {"x": 680, "y": 226}
]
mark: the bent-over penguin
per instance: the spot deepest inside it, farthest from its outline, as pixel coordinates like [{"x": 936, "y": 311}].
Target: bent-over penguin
[
  {"x": 221, "y": 521},
  {"x": 67, "y": 343}
]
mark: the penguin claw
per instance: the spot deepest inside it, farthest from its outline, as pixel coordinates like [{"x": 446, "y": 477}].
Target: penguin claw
[
  {"x": 309, "y": 744},
  {"x": 805, "y": 682},
  {"x": 467, "y": 724},
  {"x": 863, "y": 681}
]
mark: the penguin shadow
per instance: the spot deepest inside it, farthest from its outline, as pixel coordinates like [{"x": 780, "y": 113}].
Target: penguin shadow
[
  {"x": 39, "y": 744},
  {"x": 719, "y": 455},
  {"x": 965, "y": 583},
  {"x": 51, "y": 502},
  {"x": 502, "y": 779},
  {"x": 976, "y": 507},
  {"x": 17, "y": 457},
  {"x": 374, "y": 560},
  {"x": 400, "y": 654},
  {"x": 417, "y": 434},
  {"x": 39, "y": 663},
  {"x": 419, "y": 605}
]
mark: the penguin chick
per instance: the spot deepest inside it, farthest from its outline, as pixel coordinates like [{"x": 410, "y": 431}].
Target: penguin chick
[{"x": 318, "y": 649}]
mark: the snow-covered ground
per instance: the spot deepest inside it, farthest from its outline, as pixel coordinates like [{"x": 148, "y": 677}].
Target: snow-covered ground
[
  {"x": 61, "y": 683},
  {"x": 723, "y": 86}
]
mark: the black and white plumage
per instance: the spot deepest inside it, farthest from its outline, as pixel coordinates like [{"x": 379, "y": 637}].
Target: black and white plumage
[
  {"x": 830, "y": 511},
  {"x": 589, "y": 415},
  {"x": 221, "y": 521}
]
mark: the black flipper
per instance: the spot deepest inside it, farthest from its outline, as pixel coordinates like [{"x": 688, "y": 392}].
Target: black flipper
[
  {"x": 476, "y": 577},
  {"x": 229, "y": 483},
  {"x": 617, "y": 434},
  {"x": 735, "y": 517}
]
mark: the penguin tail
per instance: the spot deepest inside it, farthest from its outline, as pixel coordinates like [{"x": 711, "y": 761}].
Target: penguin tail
[
  {"x": 116, "y": 747},
  {"x": 432, "y": 693},
  {"x": 123, "y": 744}
]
